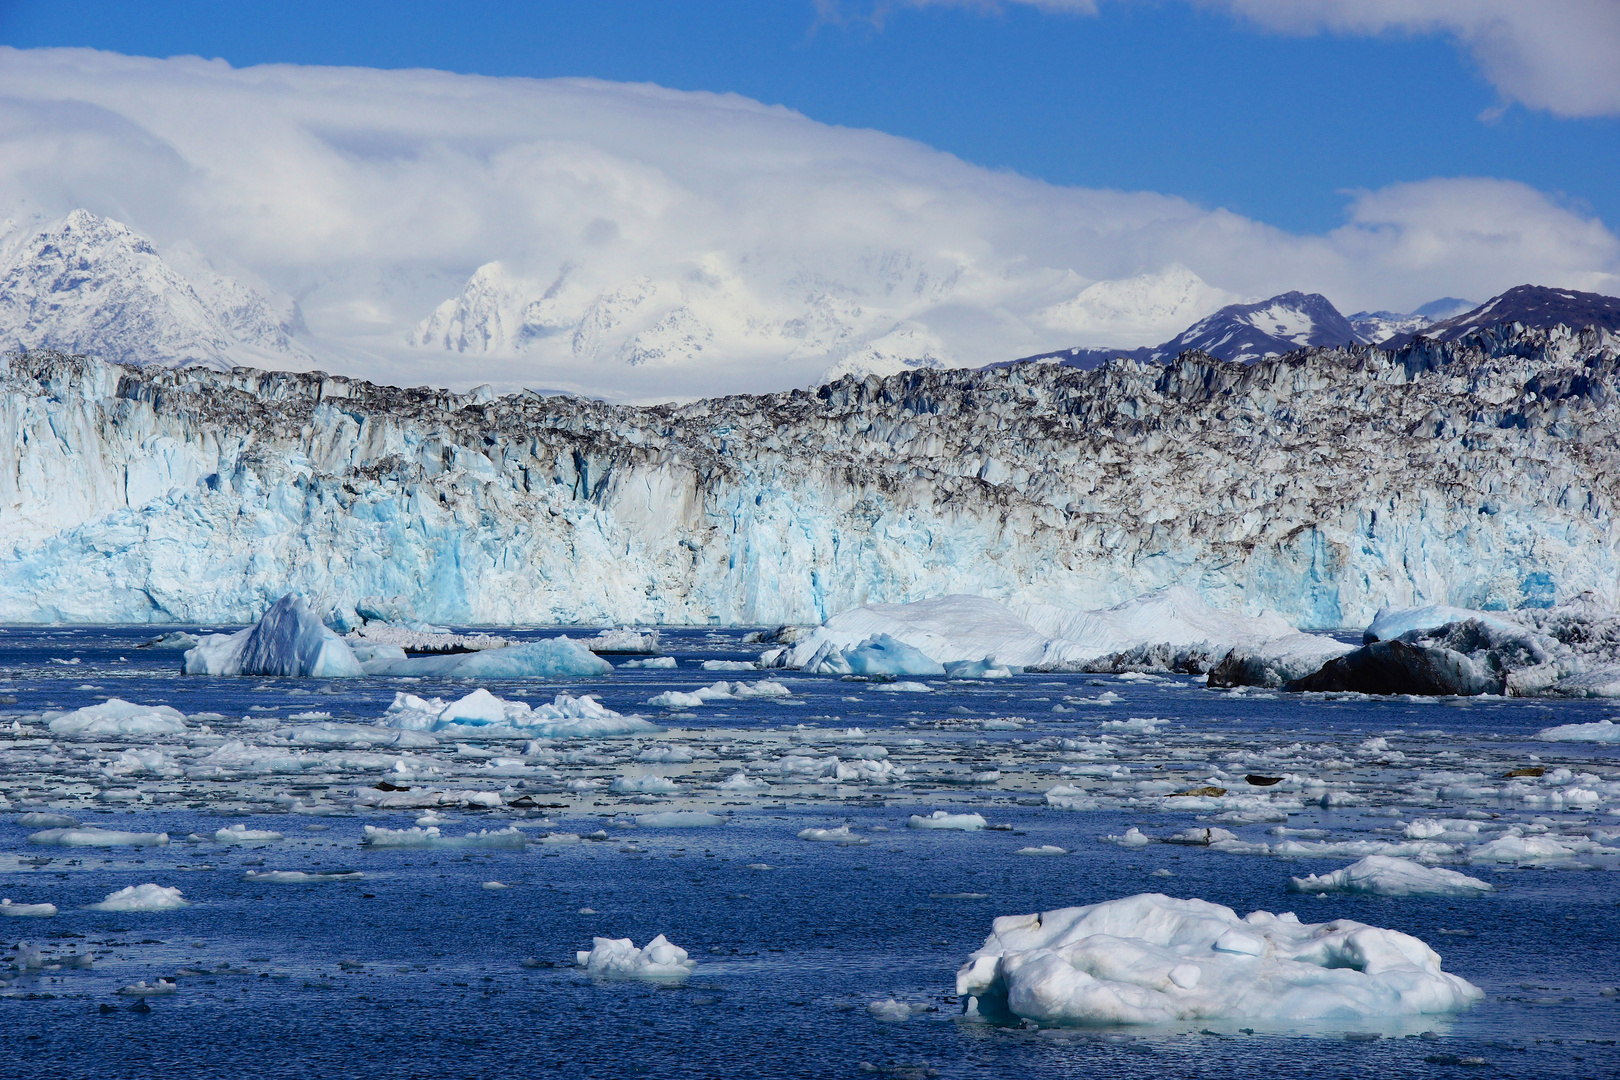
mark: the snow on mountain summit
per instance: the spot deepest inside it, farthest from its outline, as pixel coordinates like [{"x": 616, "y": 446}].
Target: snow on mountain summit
[
  {"x": 89, "y": 284},
  {"x": 1244, "y": 332}
]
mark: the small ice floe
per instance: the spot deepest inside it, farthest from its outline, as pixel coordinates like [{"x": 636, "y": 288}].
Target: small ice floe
[
  {"x": 1133, "y": 837},
  {"x": 645, "y": 784},
  {"x": 242, "y": 835},
  {"x": 1151, "y": 959},
  {"x": 1044, "y": 849},
  {"x": 904, "y": 686},
  {"x": 148, "y": 897},
  {"x": 1381, "y": 875},
  {"x": 942, "y": 819},
  {"x": 26, "y": 911},
  {"x": 679, "y": 819},
  {"x": 720, "y": 691},
  {"x": 1069, "y": 797},
  {"x": 143, "y": 989},
  {"x": 1136, "y": 725},
  {"x": 895, "y": 1012},
  {"x": 1602, "y": 731},
  {"x": 118, "y": 717},
  {"x": 37, "y": 819},
  {"x": 618, "y": 958},
  {"x": 495, "y": 886},
  {"x": 730, "y": 665},
  {"x": 741, "y": 781},
  {"x": 661, "y": 663},
  {"x": 299, "y": 877},
  {"x": 841, "y": 836},
  {"x": 430, "y": 837},
  {"x": 90, "y": 836},
  {"x": 561, "y": 838},
  {"x": 1520, "y": 850}
]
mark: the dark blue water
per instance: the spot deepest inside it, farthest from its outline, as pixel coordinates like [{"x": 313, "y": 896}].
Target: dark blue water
[{"x": 446, "y": 978}]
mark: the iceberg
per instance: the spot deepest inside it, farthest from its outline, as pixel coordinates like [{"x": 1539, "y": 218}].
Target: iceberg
[
  {"x": 1601, "y": 731},
  {"x": 118, "y": 717},
  {"x": 430, "y": 837},
  {"x": 1383, "y": 875},
  {"x": 26, "y": 911},
  {"x": 1152, "y": 959},
  {"x": 623, "y": 640},
  {"x": 148, "y": 897},
  {"x": 567, "y": 717},
  {"x": 289, "y": 640},
  {"x": 978, "y": 637},
  {"x": 1391, "y": 623},
  {"x": 720, "y": 691},
  {"x": 241, "y": 834},
  {"x": 942, "y": 819},
  {"x": 553, "y": 658},
  {"x": 618, "y": 958},
  {"x": 680, "y": 819}
]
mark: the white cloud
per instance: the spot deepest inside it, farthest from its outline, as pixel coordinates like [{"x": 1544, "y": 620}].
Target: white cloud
[
  {"x": 1558, "y": 55},
  {"x": 651, "y": 243}
]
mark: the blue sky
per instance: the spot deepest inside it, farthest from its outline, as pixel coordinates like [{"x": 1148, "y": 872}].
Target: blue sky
[{"x": 1161, "y": 97}]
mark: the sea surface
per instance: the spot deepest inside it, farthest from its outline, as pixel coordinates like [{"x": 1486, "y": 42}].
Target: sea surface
[{"x": 416, "y": 969}]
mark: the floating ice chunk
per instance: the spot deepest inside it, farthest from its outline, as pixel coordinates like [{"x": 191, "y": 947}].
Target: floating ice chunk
[
  {"x": 478, "y": 707},
  {"x": 495, "y": 886},
  {"x": 26, "y": 911},
  {"x": 646, "y": 783},
  {"x": 1136, "y": 725},
  {"x": 1133, "y": 837},
  {"x": 881, "y": 654},
  {"x": 1069, "y": 797},
  {"x": 679, "y": 819},
  {"x": 841, "y": 836},
  {"x": 430, "y": 837},
  {"x": 720, "y": 691},
  {"x": 675, "y": 699},
  {"x": 144, "y": 989},
  {"x": 1381, "y": 875},
  {"x": 241, "y": 834},
  {"x": 618, "y": 958},
  {"x": 980, "y": 669},
  {"x": 148, "y": 897},
  {"x": 1390, "y": 623},
  {"x": 891, "y": 1011},
  {"x": 300, "y": 877},
  {"x": 566, "y": 716},
  {"x": 37, "y": 819},
  {"x": 903, "y": 687},
  {"x": 1044, "y": 849},
  {"x": 1601, "y": 731},
  {"x": 623, "y": 639},
  {"x": 1518, "y": 850},
  {"x": 1152, "y": 959},
  {"x": 118, "y": 717},
  {"x": 289, "y": 640},
  {"x": 942, "y": 819},
  {"x": 90, "y": 836},
  {"x": 729, "y": 665},
  {"x": 741, "y": 781},
  {"x": 175, "y": 639},
  {"x": 553, "y": 658},
  {"x": 659, "y": 662},
  {"x": 356, "y": 735}
]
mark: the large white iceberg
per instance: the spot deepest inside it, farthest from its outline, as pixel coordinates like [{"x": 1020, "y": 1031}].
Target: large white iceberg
[
  {"x": 1167, "y": 628},
  {"x": 1385, "y": 875},
  {"x": 289, "y": 640},
  {"x": 618, "y": 958},
  {"x": 118, "y": 717},
  {"x": 1152, "y": 959}
]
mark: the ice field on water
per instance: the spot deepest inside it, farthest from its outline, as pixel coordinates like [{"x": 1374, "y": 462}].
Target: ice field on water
[{"x": 834, "y": 954}]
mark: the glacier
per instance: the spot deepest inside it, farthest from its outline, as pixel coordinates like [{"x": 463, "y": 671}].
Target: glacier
[{"x": 1321, "y": 486}]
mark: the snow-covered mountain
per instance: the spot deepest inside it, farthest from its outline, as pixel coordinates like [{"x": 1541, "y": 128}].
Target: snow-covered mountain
[
  {"x": 1136, "y": 310},
  {"x": 89, "y": 284},
  {"x": 1480, "y": 473},
  {"x": 1532, "y": 305},
  {"x": 1241, "y": 332},
  {"x": 1377, "y": 327}
]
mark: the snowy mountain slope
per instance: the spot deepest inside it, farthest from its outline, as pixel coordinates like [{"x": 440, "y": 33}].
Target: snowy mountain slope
[
  {"x": 1532, "y": 305},
  {"x": 1239, "y": 332},
  {"x": 1377, "y": 327},
  {"x": 1323, "y": 485},
  {"x": 89, "y": 284},
  {"x": 1137, "y": 310}
]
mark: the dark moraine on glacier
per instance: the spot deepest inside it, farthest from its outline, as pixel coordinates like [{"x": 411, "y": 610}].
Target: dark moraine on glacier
[{"x": 1321, "y": 486}]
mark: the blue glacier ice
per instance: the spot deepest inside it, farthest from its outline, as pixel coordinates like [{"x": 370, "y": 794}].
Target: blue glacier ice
[
  {"x": 553, "y": 658},
  {"x": 289, "y": 639}
]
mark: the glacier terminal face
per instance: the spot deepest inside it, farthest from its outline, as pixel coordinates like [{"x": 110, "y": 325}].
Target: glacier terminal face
[{"x": 1322, "y": 485}]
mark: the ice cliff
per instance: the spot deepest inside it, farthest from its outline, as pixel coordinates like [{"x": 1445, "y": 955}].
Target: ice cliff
[{"x": 1323, "y": 486}]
